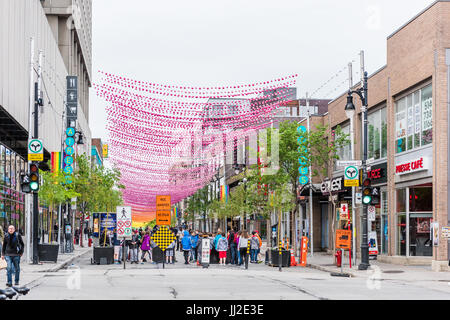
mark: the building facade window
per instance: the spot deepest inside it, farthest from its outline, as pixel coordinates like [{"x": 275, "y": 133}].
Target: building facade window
[
  {"x": 377, "y": 134},
  {"x": 344, "y": 153},
  {"x": 414, "y": 215},
  {"x": 414, "y": 120}
]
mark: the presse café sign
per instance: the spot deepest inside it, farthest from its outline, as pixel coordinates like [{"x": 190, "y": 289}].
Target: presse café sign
[{"x": 412, "y": 166}]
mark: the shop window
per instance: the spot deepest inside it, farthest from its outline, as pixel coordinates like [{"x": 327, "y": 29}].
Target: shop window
[
  {"x": 401, "y": 234},
  {"x": 419, "y": 234},
  {"x": 377, "y": 134},
  {"x": 414, "y": 120},
  {"x": 344, "y": 153},
  {"x": 421, "y": 199},
  {"x": 401, "y": 200}
]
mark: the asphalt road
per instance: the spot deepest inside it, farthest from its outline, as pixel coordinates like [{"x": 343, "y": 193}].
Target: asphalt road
[{"x": 189, "y": 282}]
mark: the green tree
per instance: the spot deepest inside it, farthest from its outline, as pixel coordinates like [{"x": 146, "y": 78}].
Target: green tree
[{"x": 53, "y": 191}]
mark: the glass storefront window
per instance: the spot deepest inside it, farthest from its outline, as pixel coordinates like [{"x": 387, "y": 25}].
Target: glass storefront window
[
  {"x": 414, "y": 120},
  {"x": 401, "y": 234},
  {"x": 401, "y": 200},
  {"x": 418, "y": 214},
  {"x": 377, "y": 134}
]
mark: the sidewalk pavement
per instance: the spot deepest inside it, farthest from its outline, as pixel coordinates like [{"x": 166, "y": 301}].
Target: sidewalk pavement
[
  {"x": 29, "y": 273},
  {"x": 384, "y": 271}
]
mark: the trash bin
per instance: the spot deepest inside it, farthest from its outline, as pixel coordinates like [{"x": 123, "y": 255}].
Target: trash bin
[
  {"x": 214, "y": 257},
  {"x": 48, "y": 252},
  {"x": 103, "y": 252},
  {"x": 157, "y": 255},
  {"x": 285, "y": 257}
]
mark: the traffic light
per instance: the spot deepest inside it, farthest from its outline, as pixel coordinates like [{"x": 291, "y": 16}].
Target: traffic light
[
  {"x": 34, "y": 177},
  {"x": 25, "y": 183},
  {"x": 367, "y": 191}
]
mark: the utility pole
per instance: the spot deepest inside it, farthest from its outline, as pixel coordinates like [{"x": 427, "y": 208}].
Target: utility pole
[
  {"x": 365, "y": 243},
  {"x": 28, "y": 197},
  {"x": 310, "y": 183},
  {"x": 37, "y": 102},
  {"x": 352, "y": 148}
]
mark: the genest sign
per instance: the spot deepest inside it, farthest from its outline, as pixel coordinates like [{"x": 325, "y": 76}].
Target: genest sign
[
  {"x": 333, "y": 185},
  {"x": 412, "y": 166}
]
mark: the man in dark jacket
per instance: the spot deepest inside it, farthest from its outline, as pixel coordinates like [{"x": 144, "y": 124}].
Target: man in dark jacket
[
  {"x": 12, "y": 250},
  {"x": 134, "y": 244}
]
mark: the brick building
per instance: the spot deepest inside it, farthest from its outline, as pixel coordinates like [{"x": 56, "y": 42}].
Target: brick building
[{"x": 408, "y": 144}]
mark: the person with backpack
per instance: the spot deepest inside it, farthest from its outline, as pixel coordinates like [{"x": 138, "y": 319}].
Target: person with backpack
[
  {"x": 221, "y": 247},
  {"x": 186, "y": 246},
  {"x": 254, "y": 247},
  {"x": 194, "y": 242},
  {"x": 12, "y": 250},
  {"x": 243, "y": 243}
]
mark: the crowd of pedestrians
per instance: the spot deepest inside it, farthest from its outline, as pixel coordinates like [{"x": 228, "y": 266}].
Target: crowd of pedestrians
[{"x": 229, "y": 248}]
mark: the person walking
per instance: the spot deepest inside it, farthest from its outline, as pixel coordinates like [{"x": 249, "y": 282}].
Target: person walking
[
  {"x": 254, "y": 247},
  {"x": 236, "y": 240},
  {"x": 12, "y": 250},
  {"x": 243, "y": 243},
  {"x": 221, "y": 247},
  {"x": 145, "y": 247},
  {"x": 170, "y": 253},
  {"x": 260, "y": 245},
  {"x": 194, "y": 242},
  {"x": 186, "y": 246},
  {"x": 134, "y": 244},
  {"x": 233, "y": 247}
]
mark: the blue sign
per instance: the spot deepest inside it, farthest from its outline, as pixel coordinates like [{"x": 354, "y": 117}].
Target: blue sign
[
  {"x": 69, "y": 151},
  {"x": 302, "y": 149},
  {"x": 303, "y": 170},
  {"x": 70, "y": 132},
  {"x": 301, "y": 129},
  {"x": 70, "y": 141},
  {"x": 68, "y": 179},
  {"x": 301, "y": 140},
  {"x": 303, "y": 179},
  {"x": 303, "y": 161},
  {"x": 68, "y": 170},
  {"x": 68, "y": 160}
]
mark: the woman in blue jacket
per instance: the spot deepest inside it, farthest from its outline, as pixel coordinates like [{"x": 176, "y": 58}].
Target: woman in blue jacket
[
  {"x": 194, "y": 241},
  {"x": 186, "y": 244}
]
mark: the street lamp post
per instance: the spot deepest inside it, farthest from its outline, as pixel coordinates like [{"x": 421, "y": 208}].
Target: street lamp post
[{"x": 362, "y": 93}]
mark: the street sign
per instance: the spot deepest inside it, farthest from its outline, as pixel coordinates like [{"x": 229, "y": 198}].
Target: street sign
[
  {"x": 343, "y": 212},
  {"x": 105, "y": 151},
  {"x": 347, "y": 163},
  {"x": 446, "y": 232},
  {"x": 124, "y": 221},
  {"x": 371, "y": 213},
  {"x": 163, "y": 210},
  {"x": 35, "y": 150},
  {"x": 358, "y": 198},
  {"x": 68, "y": 170},
  {"x": 351, "y": 176},
  {"x": 164, "y": 238},
  {"x": 205, "y": 251},
  {"x": 343, "y": 239},
  {"x": 68, "y": 160},
  {"x": 303, "y": 180}
]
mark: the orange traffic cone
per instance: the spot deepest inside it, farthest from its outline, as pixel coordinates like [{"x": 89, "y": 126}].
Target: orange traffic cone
[{"x": 293, "y": 262}]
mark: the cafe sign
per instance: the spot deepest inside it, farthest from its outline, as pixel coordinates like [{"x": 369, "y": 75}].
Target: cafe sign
[{"x": 416, "y": 165}]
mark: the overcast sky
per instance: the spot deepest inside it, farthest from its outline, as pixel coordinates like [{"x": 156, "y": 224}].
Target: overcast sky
[{"x": 214, "y": 42}]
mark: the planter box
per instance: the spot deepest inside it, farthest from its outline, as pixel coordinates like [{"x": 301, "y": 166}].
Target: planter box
[
  {"x": 48, "y": 252},
  {"x": 274, "y": 257},
  {"x": 103, "y": 252}
]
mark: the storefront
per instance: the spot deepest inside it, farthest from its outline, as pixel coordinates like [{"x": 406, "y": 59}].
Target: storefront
[
  {"x": 379, "y": 222},
  {"x": 12, "y": 200},
  {"x": 342, "y": 198}
]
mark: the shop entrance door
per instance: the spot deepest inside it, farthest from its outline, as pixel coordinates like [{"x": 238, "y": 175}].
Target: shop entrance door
[{"x": 324, "y": 228}]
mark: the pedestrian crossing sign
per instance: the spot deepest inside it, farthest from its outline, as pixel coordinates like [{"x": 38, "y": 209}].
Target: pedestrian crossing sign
[{"x": 163, "y": 237}]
